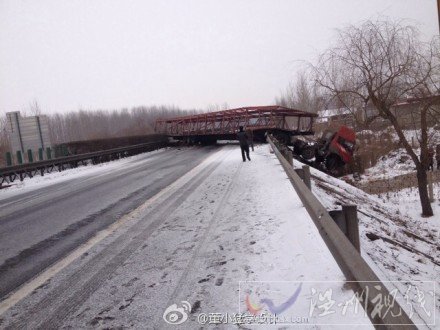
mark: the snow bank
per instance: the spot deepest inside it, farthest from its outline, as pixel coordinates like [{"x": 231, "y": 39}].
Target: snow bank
[
  {"x": 396, "y": 241},
  {"x": 55, "y": 177},
  {"x": 397, "y": 162}
]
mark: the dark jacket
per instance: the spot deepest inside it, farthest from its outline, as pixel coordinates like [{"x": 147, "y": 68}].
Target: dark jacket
[{"x": 243, "y": 139}]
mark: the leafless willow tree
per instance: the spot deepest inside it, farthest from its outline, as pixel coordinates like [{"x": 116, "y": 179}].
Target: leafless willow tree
[
  {"x": 380, "y": 63},
  {"x": 301, "y": 94}
]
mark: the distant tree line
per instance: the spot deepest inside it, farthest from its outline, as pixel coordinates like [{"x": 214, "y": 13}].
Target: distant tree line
[
  {"x": 100, "y": 124},
  {"x": 96, "y": 124},
  {"x": 302, "y": 94}
]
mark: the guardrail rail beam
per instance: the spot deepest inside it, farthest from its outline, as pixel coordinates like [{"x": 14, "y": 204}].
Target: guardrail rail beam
[{"x": 365, "y": 283}]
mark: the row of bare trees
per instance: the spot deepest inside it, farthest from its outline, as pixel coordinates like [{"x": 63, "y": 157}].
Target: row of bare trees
[
  {"x": 375, "y": 65},
  {"x": 87, "y": 125},
  {"x": 302, "y": 94}
]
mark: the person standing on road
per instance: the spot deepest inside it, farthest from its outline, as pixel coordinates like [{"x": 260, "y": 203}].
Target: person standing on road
[{"x": 244, "y": 143}]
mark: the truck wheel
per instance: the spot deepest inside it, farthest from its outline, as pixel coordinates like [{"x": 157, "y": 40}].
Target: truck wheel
[
  {"x": 308, "y": 152},
  {"x": 334, "y": 165},
  {"x": 298, "y": 146}
]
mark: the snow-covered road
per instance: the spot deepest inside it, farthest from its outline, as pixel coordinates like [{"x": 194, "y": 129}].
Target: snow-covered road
[
  {"x": 44, "y": 218},
  {"x": 227, "y": 237}
]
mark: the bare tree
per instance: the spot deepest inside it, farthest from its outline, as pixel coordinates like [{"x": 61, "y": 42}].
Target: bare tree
[
  {"x": 217, "y": 107},
  {"x": 301, "y": 94},
  {"x": 34, "y": 108},
  {"x": 380, "y": 63}
]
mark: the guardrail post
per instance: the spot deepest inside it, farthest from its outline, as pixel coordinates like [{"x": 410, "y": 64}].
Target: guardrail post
[
  {"x": 304, "y": 174},
  {"x": 352, "y": 223},
  {"x": 30, "y": 156},
  {"x": 347, "y": 221},
  {"x": 48, "y": 153},
  {"x": 19, "y": 157},
  {"x": 8, "y": 159},
  {"x": 306, "y": 178},
  {"x": 289, "y": 156},
  {"x": 64, "y": 150},
  {"x": 339, "y": 218}
]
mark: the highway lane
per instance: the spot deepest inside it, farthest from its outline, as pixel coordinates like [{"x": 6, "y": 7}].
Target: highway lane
[{"x": 41, "y": 226}]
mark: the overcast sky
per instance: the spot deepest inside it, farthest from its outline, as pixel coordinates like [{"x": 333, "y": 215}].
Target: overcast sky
[{"x": 90, "y": 54}]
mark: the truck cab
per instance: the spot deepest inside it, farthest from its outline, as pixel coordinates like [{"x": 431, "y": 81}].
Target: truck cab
[{"x": 336, "y": 148}]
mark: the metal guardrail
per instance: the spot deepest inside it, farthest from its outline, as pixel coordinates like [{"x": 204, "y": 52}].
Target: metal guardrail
[
  {"x": 11, "y": 173},
  {"x": 364, "y": 282}
]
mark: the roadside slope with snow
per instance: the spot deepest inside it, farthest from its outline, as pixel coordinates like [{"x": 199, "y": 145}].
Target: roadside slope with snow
[
  {"x": 396, "y": 241},
  {"x": 397, "y": 162}
]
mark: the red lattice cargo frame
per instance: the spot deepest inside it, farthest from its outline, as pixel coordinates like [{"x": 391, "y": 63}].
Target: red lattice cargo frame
[{"x": 227, "y": 122}]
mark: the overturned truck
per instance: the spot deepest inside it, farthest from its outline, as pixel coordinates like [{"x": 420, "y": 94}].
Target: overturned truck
[{"x": 330, "y": 152}]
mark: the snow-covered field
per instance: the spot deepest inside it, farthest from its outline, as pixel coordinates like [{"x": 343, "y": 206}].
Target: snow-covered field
[{"x": 396, "y": 241}]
